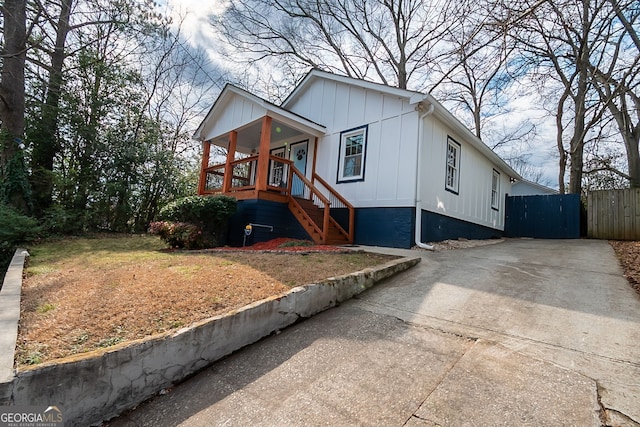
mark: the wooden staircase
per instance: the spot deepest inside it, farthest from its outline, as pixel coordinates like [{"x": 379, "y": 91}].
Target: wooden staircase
[
  {"x": 309, "y": 216},
  {"x": 313, "y": 211}
]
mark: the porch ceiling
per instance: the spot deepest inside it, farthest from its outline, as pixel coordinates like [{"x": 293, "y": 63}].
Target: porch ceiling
[{"x": 249, "y": 136}]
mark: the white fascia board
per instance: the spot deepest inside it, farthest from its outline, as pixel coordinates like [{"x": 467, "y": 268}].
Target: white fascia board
[
  {"x": 286, "y": 117},
  {"x": 538, "y": 186},
  {"x": 377, "y": 87},
  {"x": 445, "y": 115}
]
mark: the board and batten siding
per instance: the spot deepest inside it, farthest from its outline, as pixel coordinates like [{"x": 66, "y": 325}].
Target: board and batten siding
[
  {"x": 391, "y": 147},
  {"x": 237, "y": 111},
  {"x": 473, "y": 201}
]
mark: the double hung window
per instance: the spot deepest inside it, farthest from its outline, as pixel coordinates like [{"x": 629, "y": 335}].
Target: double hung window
[
  {"x": 452, "y": 182},
  {"x": 495, "y": 190},
  {"x": 353, "y": 144}
]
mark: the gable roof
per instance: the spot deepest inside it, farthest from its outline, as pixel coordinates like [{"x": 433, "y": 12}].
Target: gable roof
[
  {"x": 542, "y": 189},
  {"x": 316, "y": 74},
  {"x": 279, "y": 113},
  {"x": 414, "y": 98}
]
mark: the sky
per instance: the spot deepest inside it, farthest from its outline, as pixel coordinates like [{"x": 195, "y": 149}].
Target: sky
[
  {"x": 194, "y": 17},
  {"x": 198, "y": 31}
]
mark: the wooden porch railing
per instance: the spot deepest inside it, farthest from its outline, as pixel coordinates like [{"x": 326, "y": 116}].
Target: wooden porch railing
[
  {"x": 323, "y": 212},
  {"x": 242, "y": 176},
  {"x": 339, "y": 207}
]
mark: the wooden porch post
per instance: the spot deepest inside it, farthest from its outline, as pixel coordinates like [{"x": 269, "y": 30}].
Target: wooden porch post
[
  {"x": 315, "y": 156},
  {"x": 202, "y": 184},
  {"x": 263, "y": 157},
  {"x": 231, "y": 155}
]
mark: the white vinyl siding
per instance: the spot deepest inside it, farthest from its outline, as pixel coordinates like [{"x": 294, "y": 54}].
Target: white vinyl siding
[
  {"x": 473, "y": 202},
  {"x": 389, "y": 162},
  {"x": 453, "y": 166}
]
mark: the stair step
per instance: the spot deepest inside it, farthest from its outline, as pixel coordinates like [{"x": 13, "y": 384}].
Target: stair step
[{"x": 309, "y": 215}]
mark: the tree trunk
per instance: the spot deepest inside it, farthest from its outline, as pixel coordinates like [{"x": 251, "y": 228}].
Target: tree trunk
[
  {"x": 631, "y": 142},
  {"x": 45, "y": 135},
  {"x": 12, "y": 103},
  {"x": 576, "y": 154}
]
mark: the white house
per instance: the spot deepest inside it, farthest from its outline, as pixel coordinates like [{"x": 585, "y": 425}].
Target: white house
[{"x": 349, "y": 161}]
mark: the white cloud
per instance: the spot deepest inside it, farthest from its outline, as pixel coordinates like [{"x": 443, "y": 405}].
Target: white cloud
[{"x": 194, "y": 15}]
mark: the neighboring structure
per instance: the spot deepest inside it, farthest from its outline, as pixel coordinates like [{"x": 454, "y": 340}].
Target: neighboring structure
[
  {"x": 348, "y": 161},
  {"x": 529, "y": 188}
]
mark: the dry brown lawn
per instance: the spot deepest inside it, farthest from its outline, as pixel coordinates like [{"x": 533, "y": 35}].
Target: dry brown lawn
[{"x": 85, "y": 294}]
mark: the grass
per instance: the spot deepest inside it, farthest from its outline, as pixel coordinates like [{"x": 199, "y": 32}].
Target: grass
[
  {"x": 84, "y": 294},
  {"x": 296, "y": 243}
]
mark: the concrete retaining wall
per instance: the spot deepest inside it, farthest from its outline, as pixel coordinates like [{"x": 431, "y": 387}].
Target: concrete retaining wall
[
  {"x": 9, "y": 318},
  {"x": 96, "y": 386}
]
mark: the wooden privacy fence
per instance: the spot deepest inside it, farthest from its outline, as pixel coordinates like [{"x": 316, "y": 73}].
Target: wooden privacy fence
[{"x": 614, "y": 214}]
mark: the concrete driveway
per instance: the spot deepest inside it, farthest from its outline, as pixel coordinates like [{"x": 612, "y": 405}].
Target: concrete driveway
[{"x": 524, "y": 332}]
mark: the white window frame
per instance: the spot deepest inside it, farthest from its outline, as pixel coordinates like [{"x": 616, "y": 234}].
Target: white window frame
[
  {"x": 343, "y": 156},
  {"x": 452, "y": 169},
  {"x": 495, "y": 190}
]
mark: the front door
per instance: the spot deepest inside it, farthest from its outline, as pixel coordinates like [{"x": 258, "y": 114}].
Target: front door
[{"x": 298, "y": 155}]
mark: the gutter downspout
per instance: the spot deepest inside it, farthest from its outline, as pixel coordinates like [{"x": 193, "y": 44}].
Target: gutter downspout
[{"x": 418, "y": 229}]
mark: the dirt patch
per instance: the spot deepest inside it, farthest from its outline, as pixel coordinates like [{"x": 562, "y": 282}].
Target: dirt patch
[
  {"x": 83, "y": 295},
  {"x": 629, "y": 255}
]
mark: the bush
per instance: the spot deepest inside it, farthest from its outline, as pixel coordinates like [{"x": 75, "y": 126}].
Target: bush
[
  {"x": 60, "y": 221},
  {"x": 209, "y": 213},
  {"x": 180, "y": 235},
  {"x": 15, "y": 229}
]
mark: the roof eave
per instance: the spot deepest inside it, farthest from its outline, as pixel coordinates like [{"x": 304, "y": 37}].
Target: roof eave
[
  {"x": 272, "y": 110},
  {"x": 379, "y": 87},
  {"x": 446, "y": 116}
]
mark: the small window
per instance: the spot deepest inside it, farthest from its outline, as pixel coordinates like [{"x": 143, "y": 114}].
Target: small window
[
  {"x": 353, "y": 145},
  {"x": 453, "y": 166},
  {"x": 495, "y": 190}
]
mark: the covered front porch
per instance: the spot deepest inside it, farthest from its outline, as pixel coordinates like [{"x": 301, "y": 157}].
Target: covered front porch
[
  {"x": 273, "y": 159},
  {"x": 255, "y": 162}
]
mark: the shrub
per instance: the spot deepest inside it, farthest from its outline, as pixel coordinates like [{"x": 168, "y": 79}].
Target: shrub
[
  {"x": 15, "y": 229},
  {"x": 209, "y": 213},
  {"x": 60, "y": 221},
  {"x": 180, "y": 235}
]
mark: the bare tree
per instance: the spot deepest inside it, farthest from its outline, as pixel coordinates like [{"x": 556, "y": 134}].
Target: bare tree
[
  {"x": 560, "y": 40},
  {"x": 472, "y": 74},
  {"x": 390, "y": 41},
  {"x": 616, "y": 76},
  {"x": 179, "y": 86}
]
